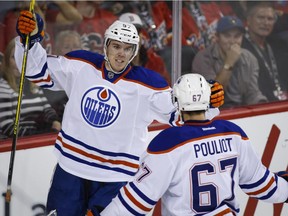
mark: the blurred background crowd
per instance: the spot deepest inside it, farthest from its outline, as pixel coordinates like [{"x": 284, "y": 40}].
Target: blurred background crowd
[{"x": 241, "y": 44}]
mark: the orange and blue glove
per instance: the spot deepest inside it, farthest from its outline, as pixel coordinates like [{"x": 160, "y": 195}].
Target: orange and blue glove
[
  {"x": 28, "y": 23},
  {"x": 217, "y": 94}
]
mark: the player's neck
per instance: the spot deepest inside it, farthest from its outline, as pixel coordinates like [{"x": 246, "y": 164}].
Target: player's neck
[{"x": 186, "y": 116}]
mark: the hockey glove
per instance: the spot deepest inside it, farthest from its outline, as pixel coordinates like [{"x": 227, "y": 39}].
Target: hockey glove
[
  {"x": 217, "y": 94},
  {"x": 26, "y": 25},
  {"x": 284, "y": 175}
]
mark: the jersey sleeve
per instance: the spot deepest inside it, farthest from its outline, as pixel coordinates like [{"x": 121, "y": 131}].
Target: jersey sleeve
[
  {"x": 139, "y": 196},
  {"x": 46, "y": 71},
  {"x": 162, "y": 108},
  {"x": 256, "y": 180}
]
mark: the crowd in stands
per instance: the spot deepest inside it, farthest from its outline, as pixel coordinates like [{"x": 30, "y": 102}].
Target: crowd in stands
[
  {"x": 241, "y": 44},
  {"x": 37, "y": 116}
]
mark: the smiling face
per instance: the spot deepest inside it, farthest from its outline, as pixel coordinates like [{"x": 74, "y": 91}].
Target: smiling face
[{"x": 119, "y": 55}]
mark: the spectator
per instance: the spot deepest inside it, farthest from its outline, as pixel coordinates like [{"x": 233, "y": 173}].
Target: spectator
[
  {"x": 1, "y": 62},
  {"x": 62, "y": 13},
  {"x": 205, "y": 17},
  {"x": 157, "y": 18},
  {"x": 235, "y": 68},
  {"x": 95, "y": 21},
  {"x": 37, "y": 116},
  {"x": 198, "y": 21},
  {"x": 2, "y": 46},
  {"x": 2, "y": 33},
  {"x": 146, "y": 57},
  {"x": 118, "y": 7},
  {"x": 195, "y": 168},
  {"x": 104, "y": 128},
  {"x": 239, "y": 9},
  {"x": 5, "y": 6},
  {"x": 236, "y": 8},
  {"x": 59, "y": 15},
  {"x": 65, "y": 42},
  {"x": 272, "y": 60}
]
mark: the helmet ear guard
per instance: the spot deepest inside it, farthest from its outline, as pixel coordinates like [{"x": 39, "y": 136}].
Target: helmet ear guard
[{"x": 191, "y": 92}]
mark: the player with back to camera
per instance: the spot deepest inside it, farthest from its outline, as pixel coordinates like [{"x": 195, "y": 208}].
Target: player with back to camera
[
  {"x": 195, "y": 168},
  {"x": 105, "y": 122}
]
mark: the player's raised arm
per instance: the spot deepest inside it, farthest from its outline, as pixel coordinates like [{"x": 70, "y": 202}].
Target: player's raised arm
[
  {"x": 29, "y": 23},
  {"x": 47, "y": 71}
]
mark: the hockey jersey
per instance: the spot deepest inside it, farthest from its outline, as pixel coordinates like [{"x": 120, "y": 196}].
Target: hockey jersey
[
  {"x": 106, "y": 119},
  {"x": 195, "y": 169}
]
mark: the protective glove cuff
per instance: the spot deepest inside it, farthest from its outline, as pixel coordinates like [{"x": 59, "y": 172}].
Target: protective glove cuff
[
  {"x": 36, "y": 35},
  {"x": 217, "y": 94}
]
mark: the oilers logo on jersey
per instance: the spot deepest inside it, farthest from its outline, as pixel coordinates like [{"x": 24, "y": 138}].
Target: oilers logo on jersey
[{"x": 100, "y": 106}]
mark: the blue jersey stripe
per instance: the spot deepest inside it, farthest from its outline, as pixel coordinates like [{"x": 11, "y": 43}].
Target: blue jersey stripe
[
  {"x": 256, "y": 184},
  {"x": 41, "y": 74},
  {"x": 113, "y": 154},
  {"x": 230, "y": 206},
  {"x": 271, "y": 192},
  {"x": 268, "y": 195},
  {"x": 72, "y": 157},
  {"x": 129, "y": 208},
  {"x": 47, "y": 86},
  {"x": 172, "y": 118},
  {"x": 142, "y": 195}
]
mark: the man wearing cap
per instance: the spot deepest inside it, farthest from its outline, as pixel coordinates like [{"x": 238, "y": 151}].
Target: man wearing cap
[{"x": 234, "y": 67}]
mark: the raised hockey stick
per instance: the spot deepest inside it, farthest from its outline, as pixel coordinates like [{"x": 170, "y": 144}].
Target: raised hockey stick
[{"x": 18, "y": 112}]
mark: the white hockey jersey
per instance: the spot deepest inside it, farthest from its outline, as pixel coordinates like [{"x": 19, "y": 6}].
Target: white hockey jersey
[
  {"x": 194, "y": 169},
  {"x": 105, "y": 122}
]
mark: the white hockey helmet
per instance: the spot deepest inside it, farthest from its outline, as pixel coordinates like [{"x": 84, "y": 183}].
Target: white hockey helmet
[
  {"x": 191, "y": 92},
  {"x": 124, "y": 32}
]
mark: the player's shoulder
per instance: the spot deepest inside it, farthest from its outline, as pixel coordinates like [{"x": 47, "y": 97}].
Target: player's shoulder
[
  {"x": 226, "y": 126},
  {"x": 93, "y": 58},
  {"x": 175, "y": 137},
  {"x": 165, "y": 141},
  {"x": 147, "y": 78}
]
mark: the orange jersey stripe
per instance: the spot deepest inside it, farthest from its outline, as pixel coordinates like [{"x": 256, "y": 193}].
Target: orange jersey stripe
[
  {"x": 95, "y": 157},
  {"x": 195, "y": 139},
  {"x": 48, "y": 79},
  {"x": 272, "y": 180},
  {"x": 138, "y": 204}
]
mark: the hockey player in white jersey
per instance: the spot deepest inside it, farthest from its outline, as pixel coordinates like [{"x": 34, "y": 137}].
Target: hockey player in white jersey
[
  {"x": 106, "y": 119},
  {"x": 195, "y": 168}
]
